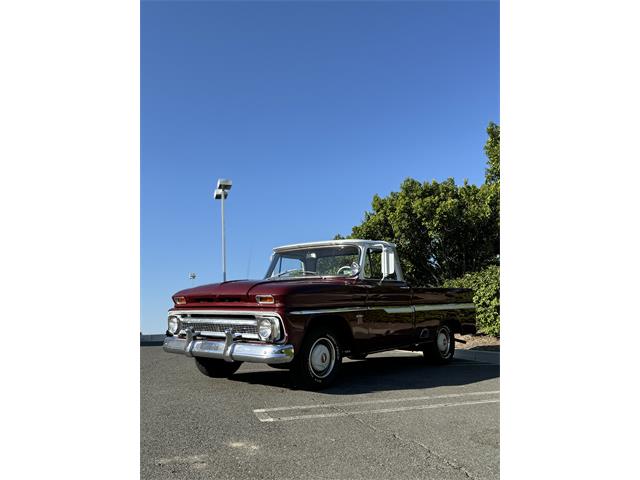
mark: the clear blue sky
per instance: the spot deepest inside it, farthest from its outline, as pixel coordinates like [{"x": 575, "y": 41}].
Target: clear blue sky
[{"x": 310, "y": 108}]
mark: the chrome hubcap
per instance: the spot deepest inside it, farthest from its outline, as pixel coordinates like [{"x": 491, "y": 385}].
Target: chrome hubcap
[
  {"x": 443, "y": 341},
  {"x": 322, "y": 357}
]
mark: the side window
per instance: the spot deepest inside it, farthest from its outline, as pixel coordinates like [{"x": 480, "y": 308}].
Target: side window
[{"x": 373, "y": 264}]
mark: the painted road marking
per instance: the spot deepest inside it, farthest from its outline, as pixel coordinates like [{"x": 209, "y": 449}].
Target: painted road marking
[
  {"x": 263, "y": 414},
  {"x": 263, "y": 417},
  {"x": 382, "y": 410},
  {"x": 368, "y": 402}
]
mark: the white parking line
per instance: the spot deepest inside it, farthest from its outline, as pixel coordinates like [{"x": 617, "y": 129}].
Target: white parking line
[
  {"x": 263, "y": 416},
  {"x": 367, "y": 402},
  {"x": 267, "y": 418}
]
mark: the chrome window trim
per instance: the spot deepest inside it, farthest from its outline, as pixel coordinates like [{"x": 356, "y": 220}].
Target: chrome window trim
[
  {"x": 396, "y": 260},
  {"x": 356, "y": 242},
  {"x": 319, "y": 245},
  {"x": 345, "y": 241}
]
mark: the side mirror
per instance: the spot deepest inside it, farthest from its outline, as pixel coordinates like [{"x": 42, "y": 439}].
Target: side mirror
[{"x": 388, "y": 262}]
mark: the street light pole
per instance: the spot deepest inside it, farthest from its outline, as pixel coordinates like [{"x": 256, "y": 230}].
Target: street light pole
[
  {"x": 221, "y": 193},
  {"x": 224, "y": 246}
]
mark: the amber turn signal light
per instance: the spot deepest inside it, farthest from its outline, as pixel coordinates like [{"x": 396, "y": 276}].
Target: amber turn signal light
[
  {"x": 180, "y": 300},
  {"x": 265, "y": 299}
]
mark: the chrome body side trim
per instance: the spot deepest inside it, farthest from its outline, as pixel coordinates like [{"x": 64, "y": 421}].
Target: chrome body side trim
[
  {"x": 328, "y": 310},
  {"x": 229, "y": 350},
  {"x": 389, "y": 309},
  {"x": 444, "y": 306},
  {"x": 410, "y": 309}
]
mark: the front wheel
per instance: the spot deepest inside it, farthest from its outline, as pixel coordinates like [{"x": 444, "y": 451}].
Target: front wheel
[
  {"x": 318, "y": 362},
  {"x": 215, "y": 368},
  {"x": 442, "y": 349}
]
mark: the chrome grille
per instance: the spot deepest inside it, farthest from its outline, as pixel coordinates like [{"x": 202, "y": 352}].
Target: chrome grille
[
  {"x": 213, "y": 323},
  {"x": 206, "y": 327}
]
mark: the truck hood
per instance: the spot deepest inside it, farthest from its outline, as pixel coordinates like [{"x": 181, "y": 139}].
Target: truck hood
[
  {"x": 244, "y": 291},
  {"x": 235, "y": 290}
]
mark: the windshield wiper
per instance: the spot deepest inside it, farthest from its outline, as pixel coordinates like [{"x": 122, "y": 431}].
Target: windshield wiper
[{"x": 296, "y": 270}]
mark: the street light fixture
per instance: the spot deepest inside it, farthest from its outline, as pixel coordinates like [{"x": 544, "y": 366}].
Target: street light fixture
[{"x": 221, "y": 193}]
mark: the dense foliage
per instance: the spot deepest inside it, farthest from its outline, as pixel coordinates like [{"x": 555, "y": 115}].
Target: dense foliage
[
  {"x": 486, "y": 296},
  {"x": 444, "y": 231},
  {"x": 492, "y": 150}
]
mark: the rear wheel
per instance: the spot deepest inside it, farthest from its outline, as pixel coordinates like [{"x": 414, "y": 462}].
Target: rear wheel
[
  {"x": 215, "y": 368},
  {"x": 441, "y": 350},
  {"x": 318, "y": 362}
]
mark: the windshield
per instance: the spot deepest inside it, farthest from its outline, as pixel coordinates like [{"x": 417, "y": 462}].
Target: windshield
[{"x": 330, "y": 261}]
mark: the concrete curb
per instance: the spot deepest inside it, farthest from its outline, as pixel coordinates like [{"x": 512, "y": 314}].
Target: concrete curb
[
  {"x": 478, "y": 356},
  {"x": 152, "y": 340}
]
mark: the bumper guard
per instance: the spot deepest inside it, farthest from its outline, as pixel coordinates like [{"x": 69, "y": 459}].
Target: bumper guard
[{"x": 230, "y": 349}]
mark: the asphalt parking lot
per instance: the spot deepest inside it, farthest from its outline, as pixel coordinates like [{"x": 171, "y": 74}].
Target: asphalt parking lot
[{"x": 389, "y": 416}]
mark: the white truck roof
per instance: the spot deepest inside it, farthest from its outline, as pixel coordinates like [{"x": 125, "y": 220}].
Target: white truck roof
[{"x": 328, "y": 243}]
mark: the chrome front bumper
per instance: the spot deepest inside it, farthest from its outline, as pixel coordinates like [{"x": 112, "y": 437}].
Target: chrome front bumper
[{"x": 229, "y": 350}]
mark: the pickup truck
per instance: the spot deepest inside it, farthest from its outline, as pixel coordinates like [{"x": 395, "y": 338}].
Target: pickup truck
[{"x": 318, "y": 303}]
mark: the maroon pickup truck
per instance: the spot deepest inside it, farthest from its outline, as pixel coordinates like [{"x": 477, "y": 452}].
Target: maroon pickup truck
[{"x": 318, "y": 303}]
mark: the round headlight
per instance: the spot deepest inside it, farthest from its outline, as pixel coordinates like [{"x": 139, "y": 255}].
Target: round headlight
[
  {"x": 174, "y": 324},
  {"x": 265, "y": 329}
]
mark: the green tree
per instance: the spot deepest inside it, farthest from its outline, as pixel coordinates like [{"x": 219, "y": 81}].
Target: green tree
[
  {"x": 442, "y": 230},
  {"x": 492, "y": 150}
]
